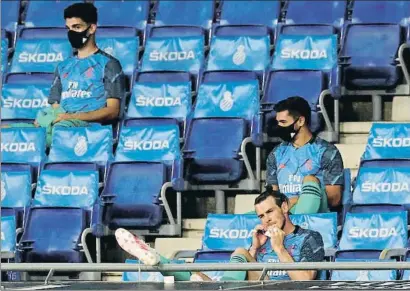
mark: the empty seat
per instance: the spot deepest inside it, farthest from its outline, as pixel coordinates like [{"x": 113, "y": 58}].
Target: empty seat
[
  {"x": 8, "y": 236},
  {"x": 314, "y": 17},
  {"x": 4, "y": 55},
  {"x": 384, "y": 11},
  {"x": 123, "y": 16},
  {"x": 10, "y": 11},
  {"x": 22, "y": 102},
  {"x": 225, "y": 111},
  {"x": 37, "y": 13},
  {"x": 365, "y": 235},
  {"x": 147, "y": 157}
]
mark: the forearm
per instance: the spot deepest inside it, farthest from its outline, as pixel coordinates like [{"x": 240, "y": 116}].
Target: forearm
[
  {"x": 285, "y": 257},
  {"x": 100, "y": 115},
  {"x": 252, "y": 252}
]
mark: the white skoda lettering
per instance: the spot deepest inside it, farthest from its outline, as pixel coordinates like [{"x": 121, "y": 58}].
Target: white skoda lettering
[
  {"x": 303, "y": 54},
  {"x": 64, "y": 190},
  {"x": 156, "y": 56},
  {"x": 230, "y": 233},
  {"x": 25, "y": 57},
  {"x": 18, "y": 147},
  {"x": 25, "y": 103},
  {"x": 143, "y": 101},
  {"x": 391, "y": 142},
  {"x": 357, "y": 232},
  {"x": 385, "y": 187},
  {"x": 146, "y": 145}
]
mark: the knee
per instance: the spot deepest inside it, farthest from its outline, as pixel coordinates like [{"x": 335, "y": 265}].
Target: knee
[
  {"x": 311, "y": 178},
  {"x": 240, "y": 251}
]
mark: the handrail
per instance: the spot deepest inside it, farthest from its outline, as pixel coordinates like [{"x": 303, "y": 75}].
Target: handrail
[{"x": 196, "y": 267}]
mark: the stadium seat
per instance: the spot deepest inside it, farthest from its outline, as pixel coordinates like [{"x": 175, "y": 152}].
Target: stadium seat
[
  {"x": 4, "y": 55},
  {"x": 245, "y": 14},
  {"x": 81, "y": 146},
  {"x": 225, "y": 108},
  {"x": 22, "y": 102},
  {"x": 10, "y": 11},
  {"x": 303, "y": 66},
  {"x": 383, "y": 11},
  {"x": 365, "y": 235},
  {"x": 8, "y": 236},
  {"x": 36, "y": 79},
  {"x": 238, "y": 49},
  {"x": 162, "y": 96},
  {"x": 62, "y": 197},
  {"x": 37, "y": 13},
  {"x": 23, "y": 147},
  {"x": 123, "y": 17},
  {"x": 148, "y": 158},
  {"x": 314, "y": 17}
]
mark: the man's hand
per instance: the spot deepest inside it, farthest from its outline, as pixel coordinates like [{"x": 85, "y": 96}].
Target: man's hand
[
  {"x": 276, "y": 239},
  {"x": 258, "y": 239},
  {"x": 63, "y": 116}
]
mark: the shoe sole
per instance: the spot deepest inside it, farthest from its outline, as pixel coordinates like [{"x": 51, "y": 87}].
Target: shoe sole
[{"x": 135, "y": 246}]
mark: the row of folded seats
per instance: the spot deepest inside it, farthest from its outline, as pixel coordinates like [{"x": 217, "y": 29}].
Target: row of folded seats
[
  {"x": 369, "y": 42},
  {"x": 133, "y": 192}
]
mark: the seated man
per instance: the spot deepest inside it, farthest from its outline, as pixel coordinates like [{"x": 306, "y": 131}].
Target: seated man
[
  {"x": 304, "y": 167},
  {"x": 276, "y": 239}
]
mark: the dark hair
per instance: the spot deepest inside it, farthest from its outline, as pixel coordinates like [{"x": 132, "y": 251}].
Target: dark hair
[
  {"x": 276, "y": 195},
  {"x": 86, "y": 11},
  {"x": 297, "y": 107}
]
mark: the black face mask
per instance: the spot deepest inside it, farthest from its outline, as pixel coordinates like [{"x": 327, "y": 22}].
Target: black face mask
[
  {"x": 287, "y": 133},
  {"x": 78, "y": 39}
]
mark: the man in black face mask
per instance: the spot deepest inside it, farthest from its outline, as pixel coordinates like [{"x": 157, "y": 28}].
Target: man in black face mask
[
  {"x": 306, "y": 168},
  {"x": 88, "y": 86}
]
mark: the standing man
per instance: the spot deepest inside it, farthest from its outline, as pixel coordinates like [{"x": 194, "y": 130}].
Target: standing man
[
  {"x": 89, "y": 86},
  {"x": 304, "y": 167}
]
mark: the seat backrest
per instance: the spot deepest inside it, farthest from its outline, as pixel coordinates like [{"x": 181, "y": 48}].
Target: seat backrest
[
  {"x": 155, "y": 143},
  {"x": 10, "y": 14},
  {"x": 123, "y": 13},
  {"x": 250, "y": 12},
  {"x": 66, "y": 189},
  {"x": 184, "y": 53},
  {"x": 38, "y": 13},
  {"x": 382, "y": 186},
  {"x": 247, "y": 53},
  {"x": 316, "y": 12},
  {"x": 374, "y": 231},
  {"x": 82, "y": 144},
  {"x": 15, "y": 189},
  {"x": 300, "y": 52},
  {"x": 124, "y": 49},
  {"x": 23, "y": 101},
  {"x": 39, "y": 55},
  {"x": 157, "y": 99},
  {"x": 384, "y": 11},
  {"x": 388, "y": 141},
  {"x": 190, "y": 12},
  {"x": 236, "y": 99},
  {"x": 4, "y": 54},
  {"x": 23, "y": 145},
  {"x": 30, "y": 78},
  {"x": 8, "y": 234}
]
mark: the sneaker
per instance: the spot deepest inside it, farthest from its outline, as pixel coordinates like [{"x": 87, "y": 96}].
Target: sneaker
[{"x": 135, "y": 246}]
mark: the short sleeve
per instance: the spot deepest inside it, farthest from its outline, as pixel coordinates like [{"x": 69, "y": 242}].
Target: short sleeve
[
  {"x": 56, "y": 89},
  {"x": 271, "y": 169},
  {"x": 114, "y": 80},
  {"x": 312, "y": 248},
  {"x": 332, "y": 165}
]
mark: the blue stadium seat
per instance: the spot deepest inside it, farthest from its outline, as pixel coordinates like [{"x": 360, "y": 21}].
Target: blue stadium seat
[
  {"x": 37, "y": 13},
  {"x": 303, "y": 66},
  {"x": 314, "y": 17},
  {"x": 8, "y": 236},
  {"x": 22, "y": 102},
  {"x": 81, "y": 146},
  {"x": 186, "y": 13},
  {"x": 123, "y": 17},
  {"x": 227, "y": 109},
  {"x": 10, "y": 11},
  {"x": 37, "y": 79},
  {"x": 383, "y": 11},
  {"x": 250, "y": 13},
  {"x": 39, "y": 55},
  {"x": 160, "y": 96},
  {"x": 148, "y": 158},
  {"x": 365, "y": 235},
  {"x": 63, "y": 197},
  {"x": 23, "y": 147},
  {"x": 4, "y": 55}
]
